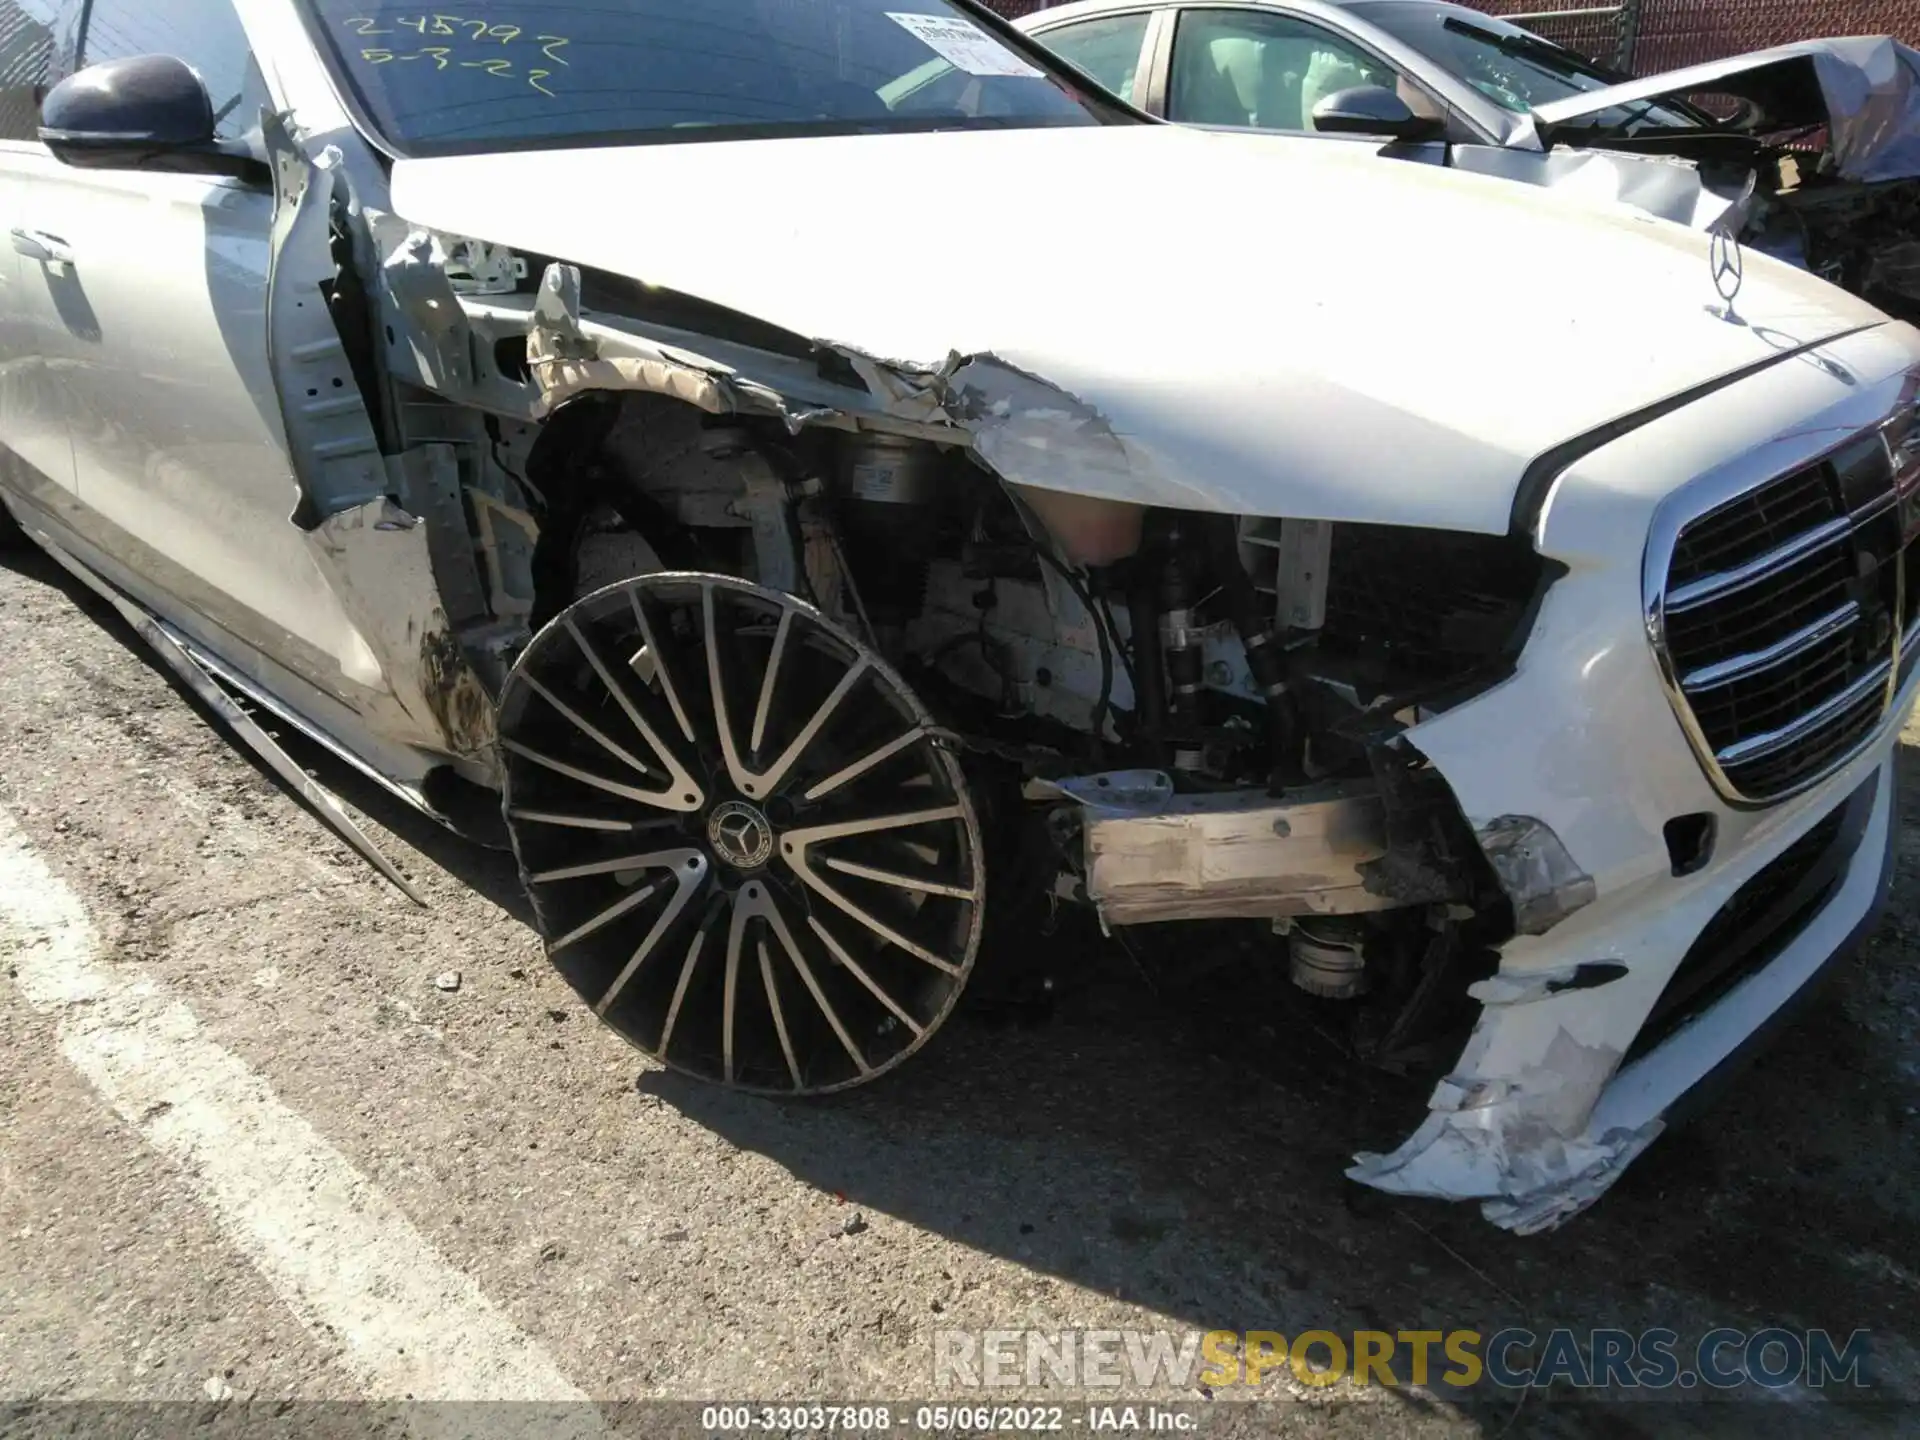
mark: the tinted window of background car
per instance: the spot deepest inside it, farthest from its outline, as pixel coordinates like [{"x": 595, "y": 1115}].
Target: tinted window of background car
[
  {"x": 519, "y": 74},
  {"x": 26, "y": 57},
  {"x": 1108, "y": 49},
  {"x": 205, "y": 33}
]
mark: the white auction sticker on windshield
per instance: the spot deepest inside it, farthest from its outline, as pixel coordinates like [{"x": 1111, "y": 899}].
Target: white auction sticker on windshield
[{"x": 964, "y": 45}]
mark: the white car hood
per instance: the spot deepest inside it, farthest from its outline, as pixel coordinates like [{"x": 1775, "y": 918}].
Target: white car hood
[{"x": 1251, "y": 324}]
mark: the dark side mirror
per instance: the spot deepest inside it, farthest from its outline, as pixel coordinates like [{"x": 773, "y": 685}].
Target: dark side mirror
[
  {"x": 147, "y": 112},
  {"x": 1372, "y": 110}
]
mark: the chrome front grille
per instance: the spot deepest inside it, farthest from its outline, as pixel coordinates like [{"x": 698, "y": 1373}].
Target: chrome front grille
[{"x": 1784, "y": 617}]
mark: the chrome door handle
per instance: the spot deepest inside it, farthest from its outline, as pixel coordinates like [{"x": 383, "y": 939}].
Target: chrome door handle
[{"x": 38, "y": 245}]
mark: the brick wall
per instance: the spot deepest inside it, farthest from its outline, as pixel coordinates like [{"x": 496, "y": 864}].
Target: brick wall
[{"x": 1682, "y": 32}]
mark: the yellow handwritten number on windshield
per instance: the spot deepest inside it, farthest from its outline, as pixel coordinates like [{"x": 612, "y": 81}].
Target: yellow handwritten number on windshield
[{"x": 479, "y": 32}]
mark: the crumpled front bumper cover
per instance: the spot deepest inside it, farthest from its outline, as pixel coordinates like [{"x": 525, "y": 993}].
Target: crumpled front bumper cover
[
  {"x": 1564, "y": 1080},
  {"x": 1540, "y": 1146}
]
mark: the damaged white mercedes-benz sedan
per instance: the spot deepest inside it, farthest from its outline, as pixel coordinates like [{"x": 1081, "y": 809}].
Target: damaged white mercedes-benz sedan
[{"x": 595, "y": 417}]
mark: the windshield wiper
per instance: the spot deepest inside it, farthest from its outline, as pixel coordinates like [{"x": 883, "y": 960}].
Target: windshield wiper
[
  {"x": 1544, "y": 51},
  {"x": 1567, "y": 63}
]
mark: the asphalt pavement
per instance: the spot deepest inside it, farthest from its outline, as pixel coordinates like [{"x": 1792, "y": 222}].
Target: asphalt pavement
[{"x": 259, "y": 1144}]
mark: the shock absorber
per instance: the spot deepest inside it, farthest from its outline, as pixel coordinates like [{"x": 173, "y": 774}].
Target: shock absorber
[
  {"x": 888, "y": 493},
  {"x": 1143, "y": 615},
  {"x": 1181, "y": 646},
  {"x": 1266, "y": 658}
]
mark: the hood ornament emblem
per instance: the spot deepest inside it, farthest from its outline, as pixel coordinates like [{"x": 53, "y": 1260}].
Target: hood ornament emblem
[{"x": 1727, "y": 264}]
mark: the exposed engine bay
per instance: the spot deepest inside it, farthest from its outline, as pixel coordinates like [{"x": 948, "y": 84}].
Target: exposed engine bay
[
  {"x": 1165, "y": 716},
  {"x": 1860, "y": 237},
  {"x": 1786, "y": 198}
]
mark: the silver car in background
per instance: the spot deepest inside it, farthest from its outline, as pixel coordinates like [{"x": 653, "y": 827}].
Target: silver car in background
[{"x": 1808, "y": 151}]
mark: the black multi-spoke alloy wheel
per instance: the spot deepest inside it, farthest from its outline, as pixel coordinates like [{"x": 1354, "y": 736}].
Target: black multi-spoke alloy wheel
[{"x": 745, "y": 846}]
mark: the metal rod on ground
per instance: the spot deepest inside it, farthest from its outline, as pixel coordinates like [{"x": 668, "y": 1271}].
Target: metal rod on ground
[{"x": 324, "y": 802}]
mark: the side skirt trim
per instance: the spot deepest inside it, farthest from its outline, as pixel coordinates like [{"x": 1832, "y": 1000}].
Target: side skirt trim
[{"x": 169, "y": 648}]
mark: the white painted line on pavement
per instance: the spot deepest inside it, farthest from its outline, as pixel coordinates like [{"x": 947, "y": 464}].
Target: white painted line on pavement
[{"x": 337, "y": 1251}]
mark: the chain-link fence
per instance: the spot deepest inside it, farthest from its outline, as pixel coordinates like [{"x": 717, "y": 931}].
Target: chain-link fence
[{"x": 1648, "y": 36}]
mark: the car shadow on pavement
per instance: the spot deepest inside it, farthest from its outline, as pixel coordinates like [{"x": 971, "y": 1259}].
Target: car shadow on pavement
[
  {"x": 1178, "y": 1144},
  {"x": 491, "y": 873},
  {"x": 1115, "y": 1149},
  {"x": 1183, "y": 1150}
]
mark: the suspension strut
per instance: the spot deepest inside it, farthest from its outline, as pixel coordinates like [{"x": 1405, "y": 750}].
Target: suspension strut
[
  {"x": 1266, "y": 652},
  {"x": 1143, "y": 615},
  {"x": 1181, "y": 645}
]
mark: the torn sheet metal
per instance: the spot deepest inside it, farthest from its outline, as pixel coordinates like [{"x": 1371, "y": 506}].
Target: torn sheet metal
[
  {"x": 1864, "y": 89},
  {"x": 1519, "y": 1145},
  {"x": 1535, "y": 870},
  {"x": 507, "y": 537},
  {"x": 478, "y": 267},
  {"x": 382, "y": 563},
  {"x": 1661, "y": 185},
  {"x": 1028, "y": 430},
  {"x": 1033, "y": 432},
  {"x": 437, "y": 352},
  {"x": 556, "y": 315},
  {"x": 1525, "y": 987},
  {"x": 336, "y": 452},
  {"x": 427, "y": 480},
  {"x": 1153, "y": 856}
]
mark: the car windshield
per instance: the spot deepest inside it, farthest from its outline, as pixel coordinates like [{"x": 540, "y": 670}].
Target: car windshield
[
  {"x": 529, "y": 74},
  {"x": 1516, "y": 70}
]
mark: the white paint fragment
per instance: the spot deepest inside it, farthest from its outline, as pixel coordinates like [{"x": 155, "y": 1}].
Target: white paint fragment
[{"x": 341, "y": 1255}]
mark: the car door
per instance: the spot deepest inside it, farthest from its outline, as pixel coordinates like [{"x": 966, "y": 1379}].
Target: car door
[
  {"x": 1238, "y": 67},
  {"x": 36, "y": 458},
  {"x": 179, "y": 447}
]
